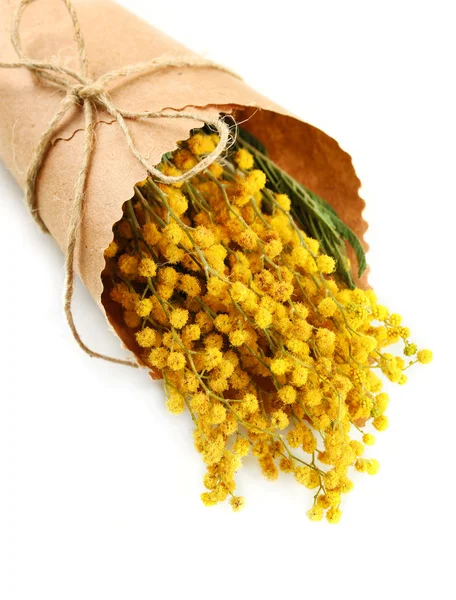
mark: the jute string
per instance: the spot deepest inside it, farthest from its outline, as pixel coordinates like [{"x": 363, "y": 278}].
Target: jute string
[{"x": 80, "y": 89}]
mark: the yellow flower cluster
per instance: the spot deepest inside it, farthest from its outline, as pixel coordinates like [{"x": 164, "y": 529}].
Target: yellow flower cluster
[{"x": 238, "y": 310}]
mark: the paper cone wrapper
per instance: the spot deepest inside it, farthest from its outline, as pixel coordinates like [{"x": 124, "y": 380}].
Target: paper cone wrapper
[{"x": 116, "y": 38}]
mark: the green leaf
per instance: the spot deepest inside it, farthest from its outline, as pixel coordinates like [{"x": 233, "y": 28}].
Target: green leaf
[
  {"x": 347, "y": 234},
  {"x": 316, "y": 217}
]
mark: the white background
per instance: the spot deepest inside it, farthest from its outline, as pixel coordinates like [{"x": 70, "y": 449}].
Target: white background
[{"x": 100, "y": 486}]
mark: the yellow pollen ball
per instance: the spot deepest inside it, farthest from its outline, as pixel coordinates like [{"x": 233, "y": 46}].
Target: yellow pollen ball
[
  {"x": 327, "y": 307},
  {"x": 244, "y": 159},
  {"x": 333, "y": 515},
  {"x": 307, "y": 477},
  {"x": 179, "y": 318},
  {"x": 151, "y": 234},
  {"x": 223, "y": 323},
  {"x": 143, "y": 307},
  {"x": 279, "y": 366},
  {"x": 175, "y": 403},
  {"x": 158, "y": 357},
  {"x": 372, "y": 466},
  {"x": 326, "y": 264},
  {"x": 263, "y": 318},
  {"x": 191, "y": 333},
  {"x": 147, "y": 267},
  {"x": 146, "y": 338},
  {"x": 200, "y": 143},
  {"x": 128, "y": 265},
  {"x": 254, "y": 182},
  {"x": 287, "y": 394},
  {"x": 315, "y": 513},
  {"x": 241, "y": 447},
  {"x": 238, "y": 337},
  {"x": 173, "y": 233},
  {"x": 176, "y": 361},
  {"x": 283, "y": 201},
  {"x": 380, "y": 423},
  {"x": 424, "y": 356},
  {"x": 204, "y": 238},
  {"x": 237, "y": 503},
  {"x": 369, "y": 439}
]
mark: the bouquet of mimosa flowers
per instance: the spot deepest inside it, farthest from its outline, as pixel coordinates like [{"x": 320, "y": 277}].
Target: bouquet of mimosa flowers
[{"x": 222, "y": 238}]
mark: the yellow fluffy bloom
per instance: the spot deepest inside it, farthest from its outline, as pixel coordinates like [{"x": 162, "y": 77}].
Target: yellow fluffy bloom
[
  {"x": 369, "y": 439},
  {"x": 283, "y": 201},
  {"x": 184, "y": 159},
  {"x": 327, "y": 307},
  {"x": 424, "y": 356},
  {"x": 279, "y": 419},
  {"x": 254, "y": 181},
  {"x": 190, "y": 285},
  {"x": 151, "y": 234},
  {"x": 287, "y": 394},
  {"x": 170, "y": 170},
  {"x": 191, "y": 333},
  {"x": 333, "y": 515},
  {"x": 223, "y": 323},
  {"x": 279, "y": 366},
  {"x": 128, "y": 265},
  {"x": 168, "y": 276},
  {"x": 147, "y": 267},
  {"x": 372, "y": 466},
  {"x": 179, "y": 318},
  {"x": 158, "y": 357},
  {"x": 143, "y": 307},
  {"x": 238, "y": 337},
  {"x": 380, "y": 423},
  {"x": 213, "y": 357},
  {"x": 237, "y": 503},
  {"x": 176, "y": 361},
  {"x": 326, "y": 264},
  {"x": 241, "y": 447},
  {"x": 201, "y": 144},
  {"x": 173, "y": 233},
  {"x": 382, "y": 401},
  {"x": 263, "y": 318},
  {"x": 250, "y": 403},
  {"x": 146, "y": 338},
  {"x": 239, "y": 291},
  {"x": 177, "y": 201},
  {"x": 316, "y": 513},
  {"x": 199, "y": 403},
  {"x": 203, "y": 237},
  {"x": 307, "y": 476},
  {"x": 175, "y": 403},
  {"x": 273, "y": 248},
  {"x": 244, "y": 159}
]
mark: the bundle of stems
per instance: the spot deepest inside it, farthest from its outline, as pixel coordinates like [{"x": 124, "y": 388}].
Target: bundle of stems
[{"x": 238, "y": 292}]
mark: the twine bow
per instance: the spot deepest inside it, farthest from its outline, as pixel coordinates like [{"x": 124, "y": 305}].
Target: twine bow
[{"x": 89, "y": 93}]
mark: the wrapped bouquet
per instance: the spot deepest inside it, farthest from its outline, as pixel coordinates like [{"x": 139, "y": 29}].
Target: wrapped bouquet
[{"x": 221, "y": 236}]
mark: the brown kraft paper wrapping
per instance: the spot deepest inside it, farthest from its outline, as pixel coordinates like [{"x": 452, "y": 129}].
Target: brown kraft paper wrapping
[{"x": 116, "y": 38}]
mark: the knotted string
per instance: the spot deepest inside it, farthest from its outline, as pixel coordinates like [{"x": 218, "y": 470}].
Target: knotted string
[{"x": 89, "y": 93}]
